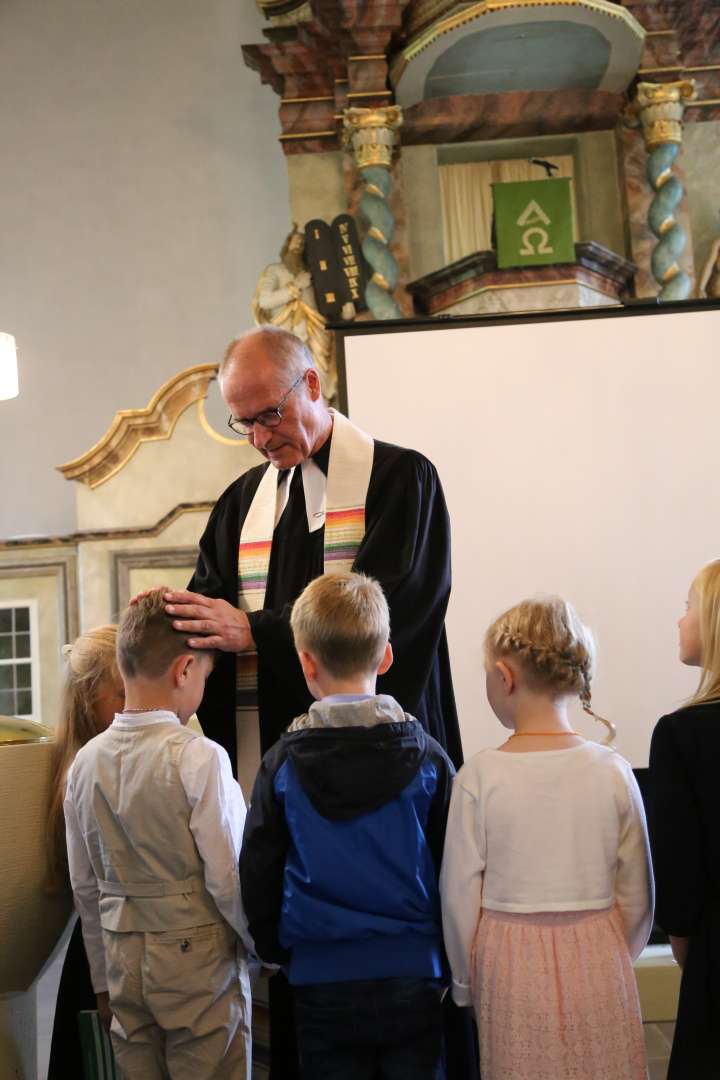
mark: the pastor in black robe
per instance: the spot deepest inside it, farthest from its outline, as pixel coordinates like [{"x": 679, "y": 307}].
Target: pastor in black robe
[{"x": 406, "y": 548}]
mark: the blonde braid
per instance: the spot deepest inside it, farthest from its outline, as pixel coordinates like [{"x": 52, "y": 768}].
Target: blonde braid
[
  {"x": 585, "y": 700},
  {"x": 554, "y": 647}
]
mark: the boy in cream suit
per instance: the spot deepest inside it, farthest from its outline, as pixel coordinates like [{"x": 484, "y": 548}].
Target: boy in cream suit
[{"x": 154, "y": 826}]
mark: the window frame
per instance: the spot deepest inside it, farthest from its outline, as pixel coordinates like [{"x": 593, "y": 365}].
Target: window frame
[{"x": 34, "y": 659}]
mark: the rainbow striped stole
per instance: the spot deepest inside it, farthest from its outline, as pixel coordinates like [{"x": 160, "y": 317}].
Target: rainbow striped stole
[
  {"x": 349, "y": 469},
  {"x": 253, "y": 565},
  {"x": 344, "y": 530}
]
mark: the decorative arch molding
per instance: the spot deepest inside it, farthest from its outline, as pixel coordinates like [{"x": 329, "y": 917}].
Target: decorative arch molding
[
  {"x": 624, "y": 34},
  {"x": 132, "y": 427}
]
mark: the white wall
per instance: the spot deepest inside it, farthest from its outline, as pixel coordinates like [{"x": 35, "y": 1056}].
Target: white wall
[
  {"x": 578, "y": 458},
  {"x": 142, "y": 190}
]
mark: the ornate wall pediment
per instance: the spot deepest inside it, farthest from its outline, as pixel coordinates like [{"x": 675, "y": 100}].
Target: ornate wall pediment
[{"x": 502, "y": 46}]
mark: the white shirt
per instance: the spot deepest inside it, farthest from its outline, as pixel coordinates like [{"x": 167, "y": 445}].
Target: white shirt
[
  {"x": 556, "y": 830},
  {"x": 217, "y": 820}
]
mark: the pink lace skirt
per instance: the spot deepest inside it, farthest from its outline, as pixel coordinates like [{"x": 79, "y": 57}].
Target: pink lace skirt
[{"x": 555, "y": 998}]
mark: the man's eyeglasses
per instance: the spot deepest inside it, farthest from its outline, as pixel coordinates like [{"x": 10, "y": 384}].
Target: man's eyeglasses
[{"x": 270, "y": 418}]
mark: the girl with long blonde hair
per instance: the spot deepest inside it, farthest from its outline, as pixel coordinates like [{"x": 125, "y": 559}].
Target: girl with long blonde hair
[
  {"x": 684, "y": 819},
  {"x": 92, "y": 693},
  {"x": 546, "y": 883}
]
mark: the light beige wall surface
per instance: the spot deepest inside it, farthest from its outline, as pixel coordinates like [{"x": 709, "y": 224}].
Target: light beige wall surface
[
  {"x": 189, "y": 467},
  {"x": 422, "y": 193},
  {"x": 149, "y": 577},
  {"x": 95, "y": 565},
  {"x": 598, "y": 190},
  {"x": 317, "y": 187},
  {"x": 701, "y": 160},
  {"x": 143, "y": 191}
]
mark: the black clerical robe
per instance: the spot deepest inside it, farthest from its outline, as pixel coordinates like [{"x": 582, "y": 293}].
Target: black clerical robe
[{"x": 406, "y": 547}]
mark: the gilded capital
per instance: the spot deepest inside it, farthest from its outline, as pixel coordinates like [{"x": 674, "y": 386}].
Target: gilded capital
[
  {"x": 660, "y": 107},
  {"x": 372, "y": 134}
]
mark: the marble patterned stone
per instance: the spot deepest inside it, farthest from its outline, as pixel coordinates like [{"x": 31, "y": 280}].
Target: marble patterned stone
[
  {"x": 540, "y": 297},
  {"x": 597, "y": 271},
  {"x": 661, "y": 50},
  {"x": 308, "y": 116},
  {"x": 366, "y": 74},
  {"x": 469, "y": 117},
  {"x": 345, "y": 49}
]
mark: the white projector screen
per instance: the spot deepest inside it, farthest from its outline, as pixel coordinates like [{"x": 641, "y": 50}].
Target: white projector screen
[{"x": 579, "y": 456}]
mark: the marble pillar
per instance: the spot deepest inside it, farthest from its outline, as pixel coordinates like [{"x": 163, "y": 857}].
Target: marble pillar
[
  {"x": 371, "y": 134},
  {"x": 654, "y": 182}
]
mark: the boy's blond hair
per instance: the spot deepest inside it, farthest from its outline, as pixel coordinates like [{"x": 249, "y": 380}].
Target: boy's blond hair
[
  {"x": 343, "y": 620},
  {"x": 147, "y": 642}
]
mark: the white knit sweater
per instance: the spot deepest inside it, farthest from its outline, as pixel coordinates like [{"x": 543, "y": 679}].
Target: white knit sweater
[{"x": 556, "y": 830}]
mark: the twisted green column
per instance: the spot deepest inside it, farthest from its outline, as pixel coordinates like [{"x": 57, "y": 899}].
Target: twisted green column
[
  {"x": 372, "y": 135},
  {"x": 660, "y": 107}
]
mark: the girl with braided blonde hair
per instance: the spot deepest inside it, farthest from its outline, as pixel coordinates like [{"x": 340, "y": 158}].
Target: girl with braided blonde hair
[
  {"x": 92, "y": 693},
  {"x": 554, "y": 647},
  {"x": 546, "y": 880}
]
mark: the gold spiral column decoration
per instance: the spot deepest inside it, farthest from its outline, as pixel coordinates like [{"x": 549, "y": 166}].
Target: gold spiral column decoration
[
  {"x": 660, "y": 108},
  {"x": 372, "y": 134}
]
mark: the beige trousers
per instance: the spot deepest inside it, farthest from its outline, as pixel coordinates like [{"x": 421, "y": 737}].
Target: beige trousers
[{"x": 181, "y": 1004}]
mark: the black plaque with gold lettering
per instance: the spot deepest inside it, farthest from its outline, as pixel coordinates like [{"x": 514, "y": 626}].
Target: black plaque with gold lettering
[
  {"x": 327, "y": 277},
  {"x": 350, "y": 258}
]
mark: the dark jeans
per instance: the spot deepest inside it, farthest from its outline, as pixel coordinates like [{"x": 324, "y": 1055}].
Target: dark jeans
[{"x": 380, "y": 1029}]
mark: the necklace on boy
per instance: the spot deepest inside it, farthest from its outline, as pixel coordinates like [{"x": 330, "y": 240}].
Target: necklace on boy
[{"x": 147, "y": 708}]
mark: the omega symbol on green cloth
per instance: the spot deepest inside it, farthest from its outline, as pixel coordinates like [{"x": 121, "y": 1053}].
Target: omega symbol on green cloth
[{"x": 535, "y": 239}]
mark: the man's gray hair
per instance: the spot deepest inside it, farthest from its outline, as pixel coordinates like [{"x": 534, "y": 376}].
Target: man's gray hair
[{"x": 279, "y": 346}]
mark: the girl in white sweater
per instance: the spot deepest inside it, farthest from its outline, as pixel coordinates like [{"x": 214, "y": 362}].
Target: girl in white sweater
[{"x": 546, "y": 880}]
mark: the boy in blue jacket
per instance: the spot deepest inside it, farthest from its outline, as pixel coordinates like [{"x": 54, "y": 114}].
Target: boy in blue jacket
[{"x": 342, "y": 851}]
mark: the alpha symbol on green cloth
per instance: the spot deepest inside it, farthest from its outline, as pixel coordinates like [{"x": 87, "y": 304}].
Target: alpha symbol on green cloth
[
  {"x": 534, "y": 239},
  {"x": 532, "y": 214}
]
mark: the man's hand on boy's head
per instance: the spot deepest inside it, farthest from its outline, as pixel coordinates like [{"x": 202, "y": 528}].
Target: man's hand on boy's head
[{"x": 214, "y": 624}]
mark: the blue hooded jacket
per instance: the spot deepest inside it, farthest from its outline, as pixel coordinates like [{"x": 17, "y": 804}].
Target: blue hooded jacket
[{"x": 343, "y": 845}]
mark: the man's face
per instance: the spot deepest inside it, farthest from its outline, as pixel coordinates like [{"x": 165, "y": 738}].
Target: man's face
[{"x": 254, "y": 385}]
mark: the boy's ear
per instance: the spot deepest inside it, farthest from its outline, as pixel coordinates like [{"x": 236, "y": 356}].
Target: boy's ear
[
  {"x": 308, "y": 663},
  {"x": 180, "y": 668},
  {"x": 387, "y": 660}
]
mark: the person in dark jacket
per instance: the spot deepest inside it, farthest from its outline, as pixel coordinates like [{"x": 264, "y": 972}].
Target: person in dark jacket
[
  {"x": 683, "y": 818},
  {"x": 342, "y": 851}
]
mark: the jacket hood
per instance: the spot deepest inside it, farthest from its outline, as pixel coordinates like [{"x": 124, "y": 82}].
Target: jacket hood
[{"x": 353, "y": 757}]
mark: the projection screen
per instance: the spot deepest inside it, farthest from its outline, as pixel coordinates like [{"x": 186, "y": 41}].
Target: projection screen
[{"x": 579, "y": 455}]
